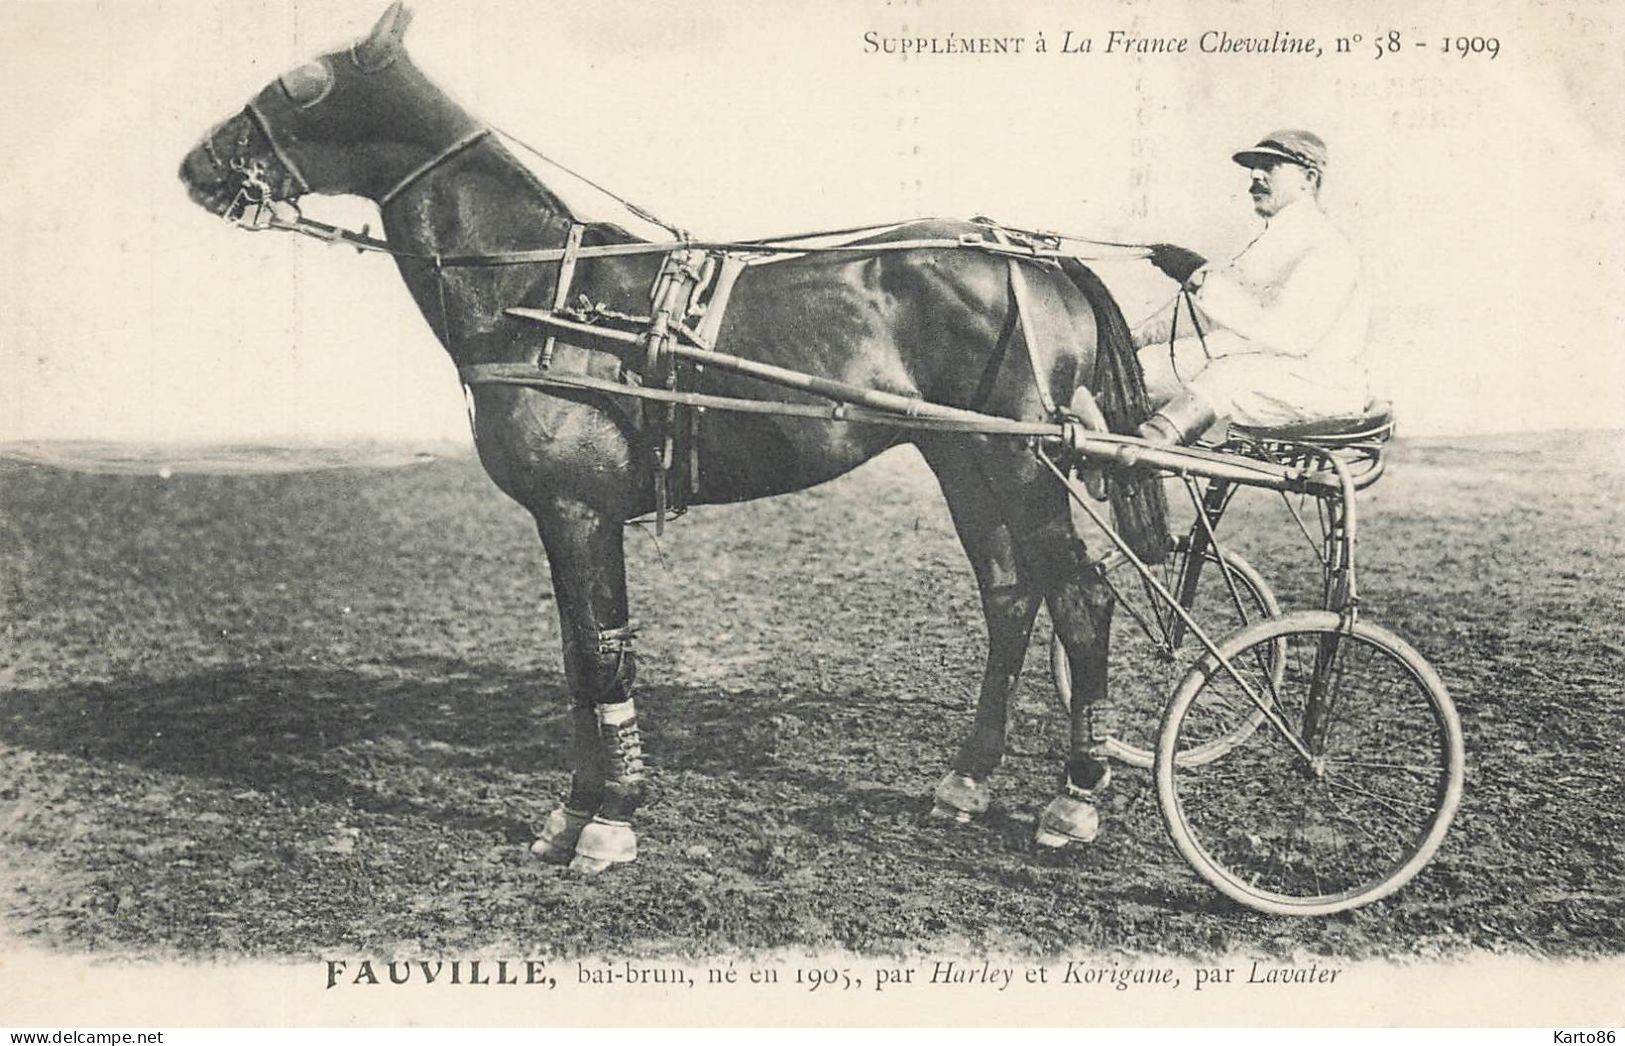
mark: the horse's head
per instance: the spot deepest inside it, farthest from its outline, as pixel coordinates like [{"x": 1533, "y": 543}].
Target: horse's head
[{"x": 358, "y": 120}]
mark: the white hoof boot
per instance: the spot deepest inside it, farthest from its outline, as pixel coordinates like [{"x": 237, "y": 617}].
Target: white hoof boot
[
  {"x": 959, "y": 798},
  {"x": 1071, "y": 817},
  {"x": 1066, "y": 821},
  {"x": 603, "y": 843},
  {"x": 557, "y": 841}
]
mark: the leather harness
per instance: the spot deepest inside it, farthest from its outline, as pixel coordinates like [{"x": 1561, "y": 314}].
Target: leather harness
[{"x": 688, "y": 301}]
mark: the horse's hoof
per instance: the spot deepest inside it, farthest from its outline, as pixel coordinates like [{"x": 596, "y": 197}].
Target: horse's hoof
[
  {"x": 602, "y": 844},
  {"x": 959, "y": 798},
  {"x": 560, "y": 833},
  {"x": 1067, "y": 821}
]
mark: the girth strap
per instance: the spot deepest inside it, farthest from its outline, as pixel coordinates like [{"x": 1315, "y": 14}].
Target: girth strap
[
  {"x": 670, "y": 297},
  {"x": 561, "y": 292}
]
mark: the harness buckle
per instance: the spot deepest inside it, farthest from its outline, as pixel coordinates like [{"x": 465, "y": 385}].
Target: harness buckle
[{"x": 617, "y": 640}]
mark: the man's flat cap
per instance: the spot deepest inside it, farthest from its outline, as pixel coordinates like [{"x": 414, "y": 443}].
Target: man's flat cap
[{"x": 1303, "y": 148}]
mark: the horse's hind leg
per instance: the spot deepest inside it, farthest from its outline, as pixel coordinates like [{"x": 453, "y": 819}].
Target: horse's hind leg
[
  {"x": 1080, "y": 606},
  {"x": 587, "y": 561},
  {"x": 1009, "y": 605},
  {"x": 1045, "y": 560}
]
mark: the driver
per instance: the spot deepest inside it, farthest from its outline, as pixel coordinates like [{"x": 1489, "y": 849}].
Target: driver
[{"x": 1283, "y": 324}]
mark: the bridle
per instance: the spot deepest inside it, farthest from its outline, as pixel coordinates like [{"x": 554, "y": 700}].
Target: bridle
[
  {"x": 254, "y": 207},
  {"x": 422, "y": 169}
]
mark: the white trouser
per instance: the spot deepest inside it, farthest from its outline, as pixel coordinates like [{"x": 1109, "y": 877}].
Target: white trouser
[{"x": 1250, "y": 387}]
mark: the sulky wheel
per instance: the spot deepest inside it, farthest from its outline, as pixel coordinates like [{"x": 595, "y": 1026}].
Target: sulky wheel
[
  {"x": 1341, "y": 796},
  {"x": 1151, "y": 650}
]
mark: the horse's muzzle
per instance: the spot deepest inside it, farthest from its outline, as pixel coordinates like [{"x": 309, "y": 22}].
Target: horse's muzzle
[{"x": 209, "y": 184}]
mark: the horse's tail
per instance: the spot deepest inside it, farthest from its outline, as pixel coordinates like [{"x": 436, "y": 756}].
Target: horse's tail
[{"x": 1138, "y": 501}]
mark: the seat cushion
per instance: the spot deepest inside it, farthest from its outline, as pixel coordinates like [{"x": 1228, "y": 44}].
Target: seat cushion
[{"x": 1376, "y": 422}]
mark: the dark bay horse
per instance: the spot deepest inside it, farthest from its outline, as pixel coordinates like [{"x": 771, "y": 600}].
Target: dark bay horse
[{"x": 931, "y": 323}]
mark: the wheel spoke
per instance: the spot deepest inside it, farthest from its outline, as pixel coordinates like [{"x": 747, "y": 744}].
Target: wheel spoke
[
  {"x": 1426, "y": 771},
  {"x": 1361, "y": 825},
  {"x": 1389, "y": 801}
]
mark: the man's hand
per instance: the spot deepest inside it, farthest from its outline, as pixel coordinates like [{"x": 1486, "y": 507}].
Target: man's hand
[{"x": 1178, "y": 263}]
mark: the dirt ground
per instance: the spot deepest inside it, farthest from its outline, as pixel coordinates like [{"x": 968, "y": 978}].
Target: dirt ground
[{"x": 271, "y": 713}]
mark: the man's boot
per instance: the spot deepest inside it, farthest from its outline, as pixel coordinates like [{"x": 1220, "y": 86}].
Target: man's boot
[{"x": 1178, "y": 421}]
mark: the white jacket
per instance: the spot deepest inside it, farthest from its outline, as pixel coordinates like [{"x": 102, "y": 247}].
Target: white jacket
[{"x": 1295, "y": 291}]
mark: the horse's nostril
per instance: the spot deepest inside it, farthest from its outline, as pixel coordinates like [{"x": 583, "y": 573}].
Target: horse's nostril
[{"x": 195, "y": 169}]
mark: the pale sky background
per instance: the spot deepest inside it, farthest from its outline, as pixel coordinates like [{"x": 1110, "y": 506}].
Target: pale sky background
[{"x": 1485, "y": 196}]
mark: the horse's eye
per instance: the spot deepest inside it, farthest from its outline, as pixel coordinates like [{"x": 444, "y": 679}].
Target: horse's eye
[{"x": 308, "y": 84}]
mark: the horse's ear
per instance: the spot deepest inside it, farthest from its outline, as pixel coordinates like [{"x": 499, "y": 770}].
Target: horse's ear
[{"x": 383, "y": 44}]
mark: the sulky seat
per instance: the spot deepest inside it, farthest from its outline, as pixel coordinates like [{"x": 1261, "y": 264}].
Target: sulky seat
[
  {"x": 1375, "y": 424},
  {"x": 1357, "y": 441}
]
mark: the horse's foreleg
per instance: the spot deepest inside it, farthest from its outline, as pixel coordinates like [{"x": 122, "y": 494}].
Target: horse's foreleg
[
  {"x": 562, "y": 830},
  {"x": 586, "y": 557},
  {"x": 1008, "y": 606}
]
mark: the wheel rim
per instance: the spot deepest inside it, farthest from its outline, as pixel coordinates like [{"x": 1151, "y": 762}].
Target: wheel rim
[{"x": 1285, "y": 835}]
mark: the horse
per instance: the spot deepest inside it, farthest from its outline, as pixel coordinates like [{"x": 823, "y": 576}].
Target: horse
[{"x": 933, "y": 324}]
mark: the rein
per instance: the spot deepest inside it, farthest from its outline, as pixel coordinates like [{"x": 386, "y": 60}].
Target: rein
[
  {"x": 774, "y": 246},
  {"x": 255, "y": 210}
]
